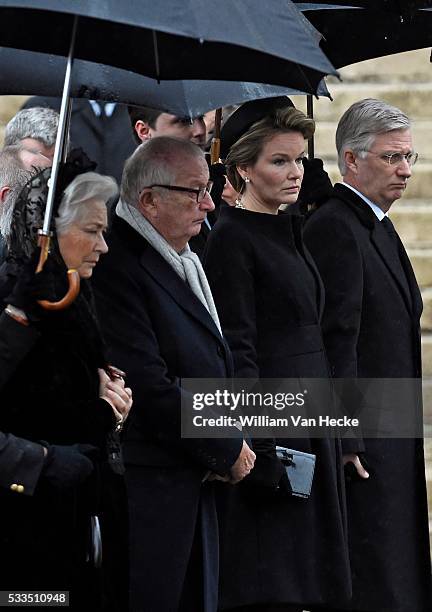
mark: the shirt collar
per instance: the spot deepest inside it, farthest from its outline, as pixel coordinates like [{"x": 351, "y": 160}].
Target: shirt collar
[{"x": 376, "y": 209}]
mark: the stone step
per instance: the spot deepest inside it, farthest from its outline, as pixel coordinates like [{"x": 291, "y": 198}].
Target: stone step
[
  {"x": 412, "y": 66},
  {"x": 421, "y": 260},
  {"x": 326, "y": 130},
  {"x": 419, "y": 185},
  {"x": 427, "y": 354},
  {"x": 413, "y": 222},
  {"x": 427, "y": 403},
  {"x": 426, "y": 320},
  {"x": 413, "y": 100}
]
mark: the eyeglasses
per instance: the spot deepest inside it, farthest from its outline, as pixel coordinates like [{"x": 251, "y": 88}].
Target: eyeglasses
[
  {"x": 200, "y": 192},
  {"x": 393, "y": 159}
]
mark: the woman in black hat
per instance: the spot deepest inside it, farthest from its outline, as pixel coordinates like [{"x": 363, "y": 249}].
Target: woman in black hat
[{"x": 279, "y": 552}]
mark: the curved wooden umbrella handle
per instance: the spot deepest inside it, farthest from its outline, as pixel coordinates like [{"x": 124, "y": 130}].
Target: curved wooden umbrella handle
[
  {"x": 71, "y": 295},
  {"x": 73, "y": 278}
]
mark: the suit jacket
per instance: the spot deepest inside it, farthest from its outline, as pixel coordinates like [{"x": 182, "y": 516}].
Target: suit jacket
[
  {"x": 371, "y": 327},
  {"x": 158, "y": 332},
  {"x": 107, "y": 140}
]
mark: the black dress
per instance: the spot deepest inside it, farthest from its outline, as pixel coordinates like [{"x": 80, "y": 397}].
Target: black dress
[
  {"x": 53, "y": 396},
  {"x": 269, "y": 299}
]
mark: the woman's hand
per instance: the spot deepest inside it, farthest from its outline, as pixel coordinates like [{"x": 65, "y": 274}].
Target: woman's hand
[{"x": 113, "y": 391}]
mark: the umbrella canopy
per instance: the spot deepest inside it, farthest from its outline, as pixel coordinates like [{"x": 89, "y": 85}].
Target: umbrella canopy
[
  {"x": 27, "y": 72},
  {"x": 358, "y": 30},
  {"x": 245, "y": 40}
]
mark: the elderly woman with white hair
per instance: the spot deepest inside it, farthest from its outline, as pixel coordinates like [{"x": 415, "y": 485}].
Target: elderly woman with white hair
[{"x": 65, "y": 395}]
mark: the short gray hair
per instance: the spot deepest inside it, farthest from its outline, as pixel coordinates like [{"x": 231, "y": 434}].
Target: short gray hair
[
  {"x": 39, "y": 122},
  {"x": 12, "y": 175},
  {"x": 85, "y": 187},
  {"x": 156, "y": 161},
  {"x": 362, "y": 122}
]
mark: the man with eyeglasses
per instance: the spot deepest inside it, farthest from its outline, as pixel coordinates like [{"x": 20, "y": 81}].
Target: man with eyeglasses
[
  {"x": 161, "y": 325},
  {"x": 371, "y": 326}
]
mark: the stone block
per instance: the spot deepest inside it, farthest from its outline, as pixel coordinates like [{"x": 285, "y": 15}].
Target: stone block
[
  {"x": 401, "y": 67},
  {"x": 426, "y": 320},
  {"x": 414, "y": 101},
  {"x": 427, "y": 354},
  {"x": 9, "y": 106},
  {"x": 413, "y": 222},
  {"x": 421, "y": 262}
]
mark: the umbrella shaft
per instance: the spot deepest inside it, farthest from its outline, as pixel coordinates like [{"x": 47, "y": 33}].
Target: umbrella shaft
[{"x": 61, "y": 131}]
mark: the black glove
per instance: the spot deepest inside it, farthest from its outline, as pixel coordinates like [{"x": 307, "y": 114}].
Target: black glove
[
  {"x": 31, "y": 287},
  {"x": 316, "y": 186},
  {"x": 68, "y": 466},
  {"x": 217, "y": 175}
]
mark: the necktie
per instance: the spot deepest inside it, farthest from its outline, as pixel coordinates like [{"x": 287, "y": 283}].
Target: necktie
[{"x": 389, "y": 227}]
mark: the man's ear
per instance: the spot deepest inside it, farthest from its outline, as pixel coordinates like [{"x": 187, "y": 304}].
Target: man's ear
[
  {"x": 351, "y": 161},
  {"x": 147, "y": 204},
  {"x": 142, "y": 129},
  {"x": 4, "y": 191}
]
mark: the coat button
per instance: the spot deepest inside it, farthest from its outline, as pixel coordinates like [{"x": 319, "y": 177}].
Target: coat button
[
  {"x": 220, "y": 351},
  {"x": 20, "y": 489},
  {"x": 14, "y": 487}
]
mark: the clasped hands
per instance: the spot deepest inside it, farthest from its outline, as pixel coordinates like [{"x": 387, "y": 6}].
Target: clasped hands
[
  {"x": 112, "y": 389},
  {"x": 241, "y": 468}
]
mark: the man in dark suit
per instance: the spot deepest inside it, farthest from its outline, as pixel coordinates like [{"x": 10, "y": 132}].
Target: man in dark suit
[
  {"x": 161, "y": 325},
  {"x": 100, "y": 128},
  {"x": 371, "y": 328}
]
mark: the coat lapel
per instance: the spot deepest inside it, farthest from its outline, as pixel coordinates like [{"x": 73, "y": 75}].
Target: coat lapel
[
  {"x": 169, "y": 281},
  {"x": 379, "y": 238},
  {"x": 386, "y": 250}
]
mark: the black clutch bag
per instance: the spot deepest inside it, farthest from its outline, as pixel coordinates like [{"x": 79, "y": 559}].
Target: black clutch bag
[{"x": 299, "y": 468}]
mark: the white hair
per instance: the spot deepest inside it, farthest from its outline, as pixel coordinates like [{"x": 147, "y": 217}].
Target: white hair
[
  {"x": 12, "y": 175},
  {"x": 39, "y": 122},
  {"x": 85, "y": 187},
  {"x": 156, "y": 161}
]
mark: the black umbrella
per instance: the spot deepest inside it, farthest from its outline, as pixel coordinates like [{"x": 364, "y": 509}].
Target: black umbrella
[
  {"x": 165, "y": 40},
  {"x": 244, "y": 40},
  {"x": 31, "y": 73},
  {"x": 358, "y": 30}
]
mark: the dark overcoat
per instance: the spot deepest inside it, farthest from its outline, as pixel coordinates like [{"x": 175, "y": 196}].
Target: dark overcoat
[
  {"x": 269, "y": 298},
  {"x": 159, "y": 332},
  {"x": 53, "y": 395},
  {"x": 371, "y": 328},
  {"x": 106, "y": 140}
]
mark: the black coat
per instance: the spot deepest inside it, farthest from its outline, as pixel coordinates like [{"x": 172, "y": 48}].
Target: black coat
[
  {"x": 269, "y": 298},
  {"x": 159, "y": 332},
  {"x": 371, "y": 328},
  {"x": 107, "y": 140},
  {"x": 53, "y": 395}
]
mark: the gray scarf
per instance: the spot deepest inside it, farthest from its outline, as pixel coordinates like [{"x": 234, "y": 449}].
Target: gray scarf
[{"x": 186, "y": 263}]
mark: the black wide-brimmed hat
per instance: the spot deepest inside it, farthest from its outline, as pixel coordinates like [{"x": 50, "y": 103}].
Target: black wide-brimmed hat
[{"x": 245, "y": 116}]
